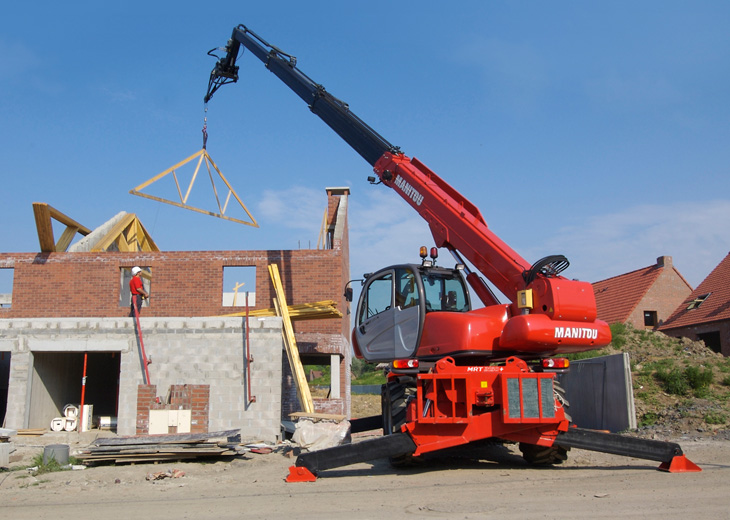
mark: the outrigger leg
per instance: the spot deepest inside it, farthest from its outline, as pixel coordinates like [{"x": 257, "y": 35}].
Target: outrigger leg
[
  {"x": 309, "y": 464},
  {"x": 669, "y": 454}
]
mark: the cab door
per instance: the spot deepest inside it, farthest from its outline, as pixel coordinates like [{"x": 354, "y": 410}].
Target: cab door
[{"x": 388, "y": 315}]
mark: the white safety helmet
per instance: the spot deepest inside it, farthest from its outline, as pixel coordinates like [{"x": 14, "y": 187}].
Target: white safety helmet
[{"x": 135, "y": 270}]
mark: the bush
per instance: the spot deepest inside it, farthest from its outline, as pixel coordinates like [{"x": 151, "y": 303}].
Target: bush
[
  {"x": 679, "y": 381},
  {"x": 618, "y": 334},
  {"x": 698, "y": 379},
  {"x": 673, "y": 381}
]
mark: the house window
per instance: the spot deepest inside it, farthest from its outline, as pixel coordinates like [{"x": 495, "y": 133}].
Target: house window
[
  {"x": 125, "y": 297},
  {"x": 6, "y": 287},
  {"x": 239, "y": 282},
  {"x": 650, "y": 319},
  {"x": 697, "y": 301},
  {"x": 712, "y": 340}
]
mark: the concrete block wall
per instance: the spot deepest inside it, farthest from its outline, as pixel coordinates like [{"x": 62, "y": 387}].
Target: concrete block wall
[{"x": 182, "y": 351}]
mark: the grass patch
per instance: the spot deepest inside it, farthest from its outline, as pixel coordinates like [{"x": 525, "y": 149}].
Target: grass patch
[
  {"x": 51, "y": 465},
  {"x": 648, "y": 419},
  {"x": 618, "y": 334},
  {"x": 715, "y": 418}
]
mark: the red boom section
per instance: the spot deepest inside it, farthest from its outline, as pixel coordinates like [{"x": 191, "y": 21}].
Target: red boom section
[
  {"x": 562, "y": 316},
  {"x": 455, "y": 222}
]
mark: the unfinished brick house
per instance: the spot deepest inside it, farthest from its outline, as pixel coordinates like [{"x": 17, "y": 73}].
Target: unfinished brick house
[
  {"x": 67, "y": 320},
  {"x": 705, "y": 313},
  {"x": 644, "y": 298}
]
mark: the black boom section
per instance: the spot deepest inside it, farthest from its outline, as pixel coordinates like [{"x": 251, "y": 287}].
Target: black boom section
[
  {"x": 346, "y": 454},
  {"x": 619, "y": 445},
  {"x": 335, "y": 113}
]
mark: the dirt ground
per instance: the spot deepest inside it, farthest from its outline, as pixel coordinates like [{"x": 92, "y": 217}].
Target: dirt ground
[{"x": 492, "y": 482}]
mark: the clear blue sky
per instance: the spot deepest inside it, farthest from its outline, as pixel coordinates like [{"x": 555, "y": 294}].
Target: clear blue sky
[{"x": 596, "y": 130}]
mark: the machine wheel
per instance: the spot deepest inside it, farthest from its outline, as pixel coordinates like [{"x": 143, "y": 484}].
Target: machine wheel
[
  {"x": 394, "y": 400},
  {"x": 548, "y": 455}
]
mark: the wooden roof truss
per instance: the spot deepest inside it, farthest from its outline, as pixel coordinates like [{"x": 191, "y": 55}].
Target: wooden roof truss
[
  {"x": 201, "y": 156},
  {"x": 44, "y": 216}
]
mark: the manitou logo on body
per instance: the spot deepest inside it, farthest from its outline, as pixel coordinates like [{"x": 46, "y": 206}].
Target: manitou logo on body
[
  {"x": 409, "y": 190},
  {"x": 576, "y": 333}
]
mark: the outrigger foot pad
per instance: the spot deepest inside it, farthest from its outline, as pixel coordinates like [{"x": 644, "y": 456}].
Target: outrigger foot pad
[
  {"x": 680, "y": 464},
  {"x": 300, "y": 474}
]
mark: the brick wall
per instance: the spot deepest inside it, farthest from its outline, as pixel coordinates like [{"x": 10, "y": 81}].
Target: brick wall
[
  {"x": 182, "y": 397},
  {"x": 668, "y": 292},
  {"x": 184, "y": 283}
]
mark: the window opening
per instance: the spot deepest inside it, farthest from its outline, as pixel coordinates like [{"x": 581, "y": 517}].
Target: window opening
[
  {"x": 125, "y": 297},
  {"x": 237, "y": 282},
  {"x": 712, "y": 340},
  {"x": 6, "y": 287},
  {"x": 650, "y": 319}
]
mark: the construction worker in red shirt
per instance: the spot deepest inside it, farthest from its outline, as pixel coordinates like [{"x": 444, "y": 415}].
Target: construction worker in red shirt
[{"x": 136, "y": 288}]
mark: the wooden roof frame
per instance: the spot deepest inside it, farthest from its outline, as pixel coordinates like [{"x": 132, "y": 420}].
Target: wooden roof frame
[
  {"x": 201, "y": 155},
  {"x": 126, "y": 234},
  {"x": 44, "y": 214}
]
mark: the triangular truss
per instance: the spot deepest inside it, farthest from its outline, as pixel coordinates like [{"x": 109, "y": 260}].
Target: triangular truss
[
  {"x": 202, "y": 156},
  {"x": 124, "y": 233},
  {"x": 43, "y": 214},
  {"x": 127, "y": 235}
]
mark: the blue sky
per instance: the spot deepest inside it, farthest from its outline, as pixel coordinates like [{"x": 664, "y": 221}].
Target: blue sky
[{"x": 598, "y": 131}]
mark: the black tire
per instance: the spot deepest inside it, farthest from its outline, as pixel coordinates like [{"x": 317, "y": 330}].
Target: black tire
[
  {"x": 549, "y": 455},
  {"x": 394, "y": 398}
]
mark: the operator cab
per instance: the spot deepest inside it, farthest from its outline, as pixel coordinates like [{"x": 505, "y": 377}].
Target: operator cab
[{"x": 394, "y": 303}]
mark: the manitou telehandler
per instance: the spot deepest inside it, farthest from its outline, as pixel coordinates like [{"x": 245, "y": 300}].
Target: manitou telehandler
[{"x": 457, "y": 374}]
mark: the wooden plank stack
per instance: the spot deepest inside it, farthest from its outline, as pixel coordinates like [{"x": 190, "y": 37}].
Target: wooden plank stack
[
  {"x": 157, "y": 448},
  {"x": 303, "y": 311}
]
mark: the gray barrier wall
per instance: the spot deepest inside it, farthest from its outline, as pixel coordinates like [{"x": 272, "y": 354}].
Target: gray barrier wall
[{"x": 600, "y": 393}]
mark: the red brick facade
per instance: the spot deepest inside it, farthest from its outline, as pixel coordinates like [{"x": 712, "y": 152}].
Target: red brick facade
[
  {"x": 195, "y": 398},
  {"x": 656, "y": 289},
  {"x": 184, "y": 283}
]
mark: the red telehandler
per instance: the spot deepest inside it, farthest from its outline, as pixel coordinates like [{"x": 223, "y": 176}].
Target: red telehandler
[{"x": 457, "y": 374}]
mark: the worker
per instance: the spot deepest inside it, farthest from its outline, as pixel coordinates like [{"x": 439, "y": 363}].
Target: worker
[{"x": 136, "y": 288}]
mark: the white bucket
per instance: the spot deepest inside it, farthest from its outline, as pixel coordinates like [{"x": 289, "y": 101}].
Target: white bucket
[
  {"x": 107, "y": 423},
  {"x": 71, "y": 411},
  {"x": 70, "y": 424},
  {"x": 58, "y": 424}
]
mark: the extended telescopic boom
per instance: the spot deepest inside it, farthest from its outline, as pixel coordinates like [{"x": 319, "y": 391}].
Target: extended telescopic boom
[
  {"x": 455, "y": 223},
  {"x": 334, "y": 112}
]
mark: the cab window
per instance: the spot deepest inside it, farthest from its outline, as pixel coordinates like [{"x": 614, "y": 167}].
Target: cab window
[
  {"x": 445, "y": 292},
  {"x": 378, "y": 297},
  {"x": 406, "y": 290}
]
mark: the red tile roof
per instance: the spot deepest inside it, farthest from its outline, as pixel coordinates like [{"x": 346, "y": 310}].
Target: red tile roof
[
  {"x": 617, "y": 297},
  {"x": 716, "y": 306}
]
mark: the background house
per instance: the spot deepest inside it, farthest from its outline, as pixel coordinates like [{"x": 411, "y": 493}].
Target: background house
[
  {"x": 705, "y": 313},
  {"x": 644, "y": 298}
]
